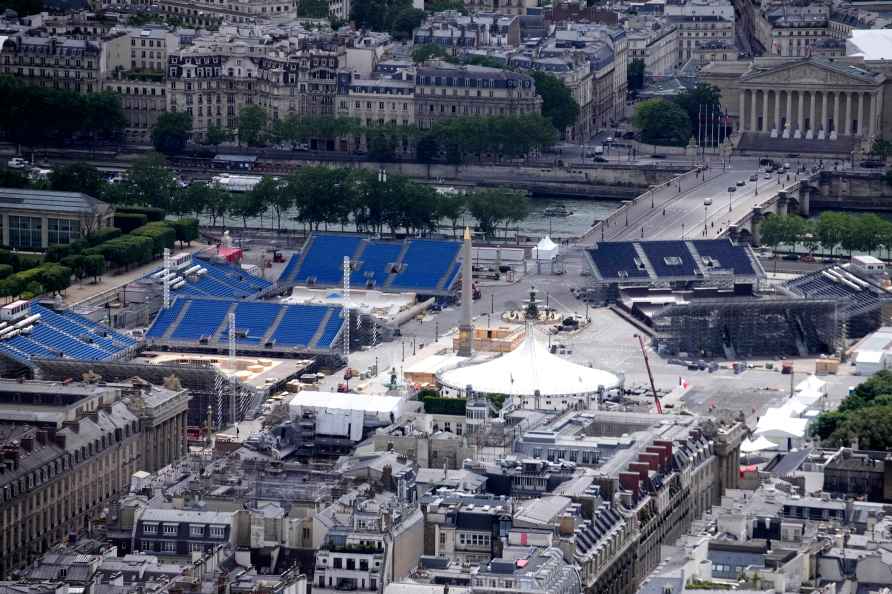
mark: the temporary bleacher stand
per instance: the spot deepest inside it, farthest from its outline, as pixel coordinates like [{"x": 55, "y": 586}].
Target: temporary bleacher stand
[
  {"x": 36, "y": 331},
  {"x": 259, "y": 325},
  {"x": 425, "y": 266},
  {"x": 201, "y": 277}
]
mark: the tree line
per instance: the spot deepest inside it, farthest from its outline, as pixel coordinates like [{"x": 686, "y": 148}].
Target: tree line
[
  {"x": 831, "y": 231},
  {"x": 35, "y": 116},
  {"x": 694, "y": 113},
  {"x": 454, "y": 140},
  {"x": 313, "y": 196},
  {"x": 866, "y": 414}
]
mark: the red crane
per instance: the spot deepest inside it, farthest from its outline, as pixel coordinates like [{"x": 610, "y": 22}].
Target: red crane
[{"x": 650, "y": 375}]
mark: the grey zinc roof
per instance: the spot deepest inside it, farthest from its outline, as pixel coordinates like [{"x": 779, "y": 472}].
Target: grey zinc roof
[
  {"x": 179, "y": 515},
  {"x": 43, "y": 200}
]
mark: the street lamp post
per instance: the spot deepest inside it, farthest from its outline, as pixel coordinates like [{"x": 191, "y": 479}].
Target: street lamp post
[{"x": 707, "y": 202}]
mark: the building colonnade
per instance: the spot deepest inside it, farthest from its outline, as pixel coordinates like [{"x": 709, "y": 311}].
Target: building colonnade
[{"x": 810, "y": 113}]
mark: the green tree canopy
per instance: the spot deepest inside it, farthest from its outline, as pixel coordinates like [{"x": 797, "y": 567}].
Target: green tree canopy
[
  {"x": 171, "y": 132},
  {"x": 216, "y": 135},
  {"x": 831, "y": 229},
  {"x": 492, "y": 207},
  {"x": 313, "y": 9},
  {"x": 782, "y": 229},
  {"x": 428, "y": 51},
  {"x": 77, "y": 177},
  {"x": 662, "y": 122},
  {"x": 558, "y": 104},
  {"x": 150, "y": 182},
  {"x": 703, "y": 106},
  {"x": 251, "y": 124}
]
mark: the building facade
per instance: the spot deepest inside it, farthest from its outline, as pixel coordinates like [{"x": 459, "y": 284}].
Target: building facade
[
  {"x": 59, "y": 471},
  {"x": 36, "y": 219},
  {"x": 51, "y": 62},
  {"x": 812, "y": 99},
  {"x": 443, "y": 92},
  {"x": 212, "y": 82}
]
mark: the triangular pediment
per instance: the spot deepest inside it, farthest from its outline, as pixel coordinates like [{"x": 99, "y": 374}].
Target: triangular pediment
[{"x": 813, "y": 73}]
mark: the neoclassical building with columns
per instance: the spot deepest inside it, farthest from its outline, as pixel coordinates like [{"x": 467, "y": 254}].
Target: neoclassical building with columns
[{"x": 811, "y": 105}]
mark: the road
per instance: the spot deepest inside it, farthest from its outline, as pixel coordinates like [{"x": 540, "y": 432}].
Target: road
[{"x": 673, "y": 215}]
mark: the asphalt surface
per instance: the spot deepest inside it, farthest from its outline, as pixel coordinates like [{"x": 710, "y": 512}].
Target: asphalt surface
[{"x": 704, "y": 208}]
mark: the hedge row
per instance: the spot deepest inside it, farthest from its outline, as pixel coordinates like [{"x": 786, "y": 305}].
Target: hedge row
[{"x": 46, "y": 278}]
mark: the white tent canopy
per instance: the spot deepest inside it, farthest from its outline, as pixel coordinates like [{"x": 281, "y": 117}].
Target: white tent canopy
[
  {"x": 760, "y": 444},
  {"x": 528, "y": 368},
  {"x": 546, "y": 249},
  {"x": 812, "y": 384}
]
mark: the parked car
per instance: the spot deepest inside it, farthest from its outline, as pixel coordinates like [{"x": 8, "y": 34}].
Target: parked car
[
  {"x": 754, "y": 177},
  {"x": 17, "y": 163},
  {"x": 741, "y": 182},
  {"x": 827, "y": 260},
  {"x": 608, "y": 140},
  {"x": 872, "y": 164},
  {"x": 791, "y": 257},
  {"x": 807, "y": 258},
  {"x": 629, "y": 135},
  {"x": 599, "y": 159},
  {"x": 768, "y": 176},
  {"x": 658, "y": 156}
]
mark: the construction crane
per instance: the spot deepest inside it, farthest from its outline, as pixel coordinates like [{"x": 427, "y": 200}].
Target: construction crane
[{"x": 650, "y": 374}]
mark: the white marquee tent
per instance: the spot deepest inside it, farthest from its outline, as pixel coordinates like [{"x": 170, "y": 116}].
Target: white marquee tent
[
  {"x": 546, "y": 249},
  {"x": 526, "y": 369}
]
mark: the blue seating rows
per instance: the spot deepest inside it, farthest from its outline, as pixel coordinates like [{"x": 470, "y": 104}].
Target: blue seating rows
[
  {"x": 202, "y": 319},
  {"x": 65, "y": 333},
  {"x": 728, "y": 255},
  {"x": 373, "y": 264},
  {"x": 324, "y": 260},
  {"x": 297, "y": 327},
  {"x": 242, "y": 283},
  {"x": 253, "y": 318},
  {"x": 222, "y": 280},
  {"x": 332, "y": 327},
  {"x": 287, "y": 275},
  {"x": 658, "y": 251},
  {"x": 614, "y": 257},
  {"x": 165, "y": 318},
  {"x": 425, "y": 263}
]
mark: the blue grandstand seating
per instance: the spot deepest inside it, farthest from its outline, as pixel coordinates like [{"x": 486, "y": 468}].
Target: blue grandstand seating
[
  {"x": 65, "y": 334},
  {"x": 658, "y": 251},
  {"x": 374, "y": 259},
  {"x": 615, "y": 257},
  {"x": 332, "y": 327},
  {"x": 81, "y": 327},
  {"x": 202, "y": 319},
  {"x": 296, "y": 327},
  {"x": 299, "y": 325},
  {"x": 165, "y": 318},
  {"x": 221, "y": 280},
  {"x": 426, "y": 262},
  {"x": 254, "y": 318},
  {"x": 242, "y": 283},
  {"x": 288, "y": 272},
  {"x": 728, "y": 255},
  {"x": 324, "y": 260}
]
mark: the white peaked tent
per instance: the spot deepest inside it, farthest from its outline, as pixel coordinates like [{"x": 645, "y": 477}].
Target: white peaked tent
[
  {"x": 757, "y": 445},
  {"x": 545, "y": 249},
  {"x": 526, "y": 369}
]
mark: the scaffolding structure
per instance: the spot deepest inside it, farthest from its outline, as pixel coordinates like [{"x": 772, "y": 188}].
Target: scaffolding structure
[{"x": 746, "y": 327}]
